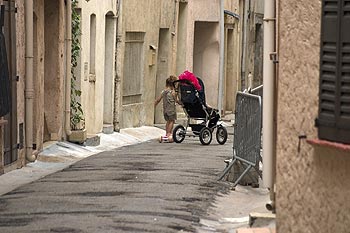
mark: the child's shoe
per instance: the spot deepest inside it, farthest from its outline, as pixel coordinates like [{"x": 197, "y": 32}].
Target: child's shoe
[{"x": 163, "y": 139}]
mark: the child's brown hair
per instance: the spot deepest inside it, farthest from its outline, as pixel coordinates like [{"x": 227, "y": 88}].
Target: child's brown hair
[{"x": 170, "y": 81}]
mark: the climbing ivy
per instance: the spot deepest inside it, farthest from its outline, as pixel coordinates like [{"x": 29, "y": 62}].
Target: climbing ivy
[{"x": 77, "y": 119}]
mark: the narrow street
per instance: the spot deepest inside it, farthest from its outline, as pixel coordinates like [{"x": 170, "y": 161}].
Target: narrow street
[{"x": 147, "y": 187}]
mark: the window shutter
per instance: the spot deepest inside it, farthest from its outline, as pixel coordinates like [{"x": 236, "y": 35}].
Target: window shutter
[{"x": 334, "y": 96}]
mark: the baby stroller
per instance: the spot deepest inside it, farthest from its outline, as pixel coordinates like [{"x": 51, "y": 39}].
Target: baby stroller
[{"x": 195, "y": 107}]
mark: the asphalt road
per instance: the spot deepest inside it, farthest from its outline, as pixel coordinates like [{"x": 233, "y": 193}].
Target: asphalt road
[{"x": 148, "y": 187}]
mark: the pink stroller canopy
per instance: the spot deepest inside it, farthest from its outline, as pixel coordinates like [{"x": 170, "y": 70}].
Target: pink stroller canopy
[{"x": 187, "y": 75}]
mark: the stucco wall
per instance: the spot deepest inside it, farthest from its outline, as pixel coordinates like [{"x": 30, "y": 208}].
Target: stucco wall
[
  {"x": 143, "y": 16},
  {"x": 203, "y": 46},
  {"x": 206, "y": 58},
  {"x": 313, "y": 189},
  {"x": 38, "y": 72},
  {"x": 232, "y": 5},
  {"x": 232, "y": 55},
  {"x": 207, "y": 67},
  {"x": 252, "y": 40},
  {"x": 20, "y": 44},
  {"x": 139, "y": 17},
  {"x": 93, "y": 92}
]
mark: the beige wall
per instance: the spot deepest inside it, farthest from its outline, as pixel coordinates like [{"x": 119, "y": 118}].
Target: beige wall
[
  {"x": 142, "y": 16},
  {"x": 201, "y": 53},
  {"x": 202, "y": 56},
  {"x": 232, "y": 56},
  {"x": 54, "y": 71},
  {"x": 20, "y": 69},
  {"x": 313, "y": 189},
  {"x": 206, "y": 58},
  {"x": 252, "y": 41},
  {"x": 92, "y": 98},
  {"x": 181, "y": 54},
  {"x": 38, "y": 73},
  {"x": 48, "y": 69}
]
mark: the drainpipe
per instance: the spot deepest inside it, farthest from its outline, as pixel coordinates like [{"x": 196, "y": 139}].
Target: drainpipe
[
  {"x": 221, "y": 56},
  {"x": 29, "y": 85},
  {"x": 68, "y": 66},
  {"x": 244, "y": 44},
  {"x": 118, "y": 71},
  {"x": 268, "y": 100}
]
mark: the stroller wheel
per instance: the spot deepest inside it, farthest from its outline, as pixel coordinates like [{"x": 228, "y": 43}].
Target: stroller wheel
[
  {"x": 205, "y": 136},
  {"x": 179, "y": 134},
  {"x": 221, "y": 135}
]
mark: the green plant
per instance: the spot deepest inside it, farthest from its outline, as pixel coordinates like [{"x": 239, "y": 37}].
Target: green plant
[{"x": 77, "y": 119}]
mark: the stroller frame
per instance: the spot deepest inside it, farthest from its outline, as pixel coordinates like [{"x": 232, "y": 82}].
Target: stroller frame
[{"x": 195, "y": 108}]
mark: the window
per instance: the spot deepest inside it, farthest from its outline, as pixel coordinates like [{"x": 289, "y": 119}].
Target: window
[
  {"x": 92, "y": 44},
  {"x": 334, "y": 94}
]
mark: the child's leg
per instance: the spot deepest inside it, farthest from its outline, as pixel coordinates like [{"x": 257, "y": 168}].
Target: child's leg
[
  {"x": 170, "y": 128},
  {"x": 167, "y": 128}
]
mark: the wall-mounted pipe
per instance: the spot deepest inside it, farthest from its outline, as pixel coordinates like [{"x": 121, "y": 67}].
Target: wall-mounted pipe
[
  {"x": 118, "y": 71},
  {"x": 244, "y": 44},
  {"x": 29, "y": 85},
  {"x": 232, "y": 14},
  {"x": 268, "y": 100},
  {"x": 68, "y": 66},
  {"x": 221, "y": 56}
]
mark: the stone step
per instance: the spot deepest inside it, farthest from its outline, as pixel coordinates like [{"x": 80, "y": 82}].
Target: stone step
[
  {"x": 108, "y": 129},
  {"x": 92, "y": 140},
  {"x": 262, "y": 219}
]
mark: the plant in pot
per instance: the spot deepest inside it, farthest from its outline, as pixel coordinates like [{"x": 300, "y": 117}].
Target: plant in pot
[{"x": 77, "y": 120}]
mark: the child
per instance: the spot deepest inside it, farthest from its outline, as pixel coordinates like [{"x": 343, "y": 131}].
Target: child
[{"x": 169, "y": 110}]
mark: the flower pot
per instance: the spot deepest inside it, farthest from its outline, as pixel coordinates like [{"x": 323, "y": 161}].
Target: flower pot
[{"x": 78, "y": 136}]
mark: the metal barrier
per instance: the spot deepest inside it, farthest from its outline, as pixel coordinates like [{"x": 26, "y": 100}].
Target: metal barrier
[
  {"x": 247, "y": 134},
  {"x": 257, "y": 91}
]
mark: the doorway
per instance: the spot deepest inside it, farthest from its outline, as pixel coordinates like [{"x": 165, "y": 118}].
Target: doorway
[
  {"x": 108, "y": 103},
  {"x": 230, "y": 78},
  {"x": 162, "y": 70},
  {"x": 258, "y": 58},
  {"x": 10, "y": 130},
  {"x": 206, "y": 56},
  {"x": 181, "y": 38},
  {"x": 53, "y": 70}
]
